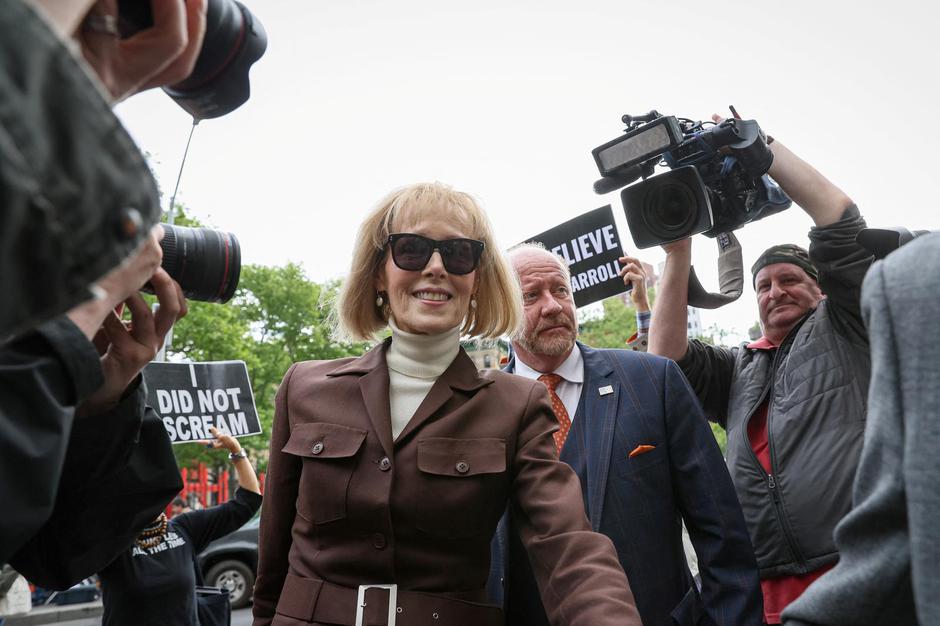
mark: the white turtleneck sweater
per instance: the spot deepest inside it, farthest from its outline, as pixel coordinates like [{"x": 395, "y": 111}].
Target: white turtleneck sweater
[{"x": 415, "y": 362}]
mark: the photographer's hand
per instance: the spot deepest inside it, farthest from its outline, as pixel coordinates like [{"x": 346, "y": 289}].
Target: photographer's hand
[
  {"x": 160, "y": 55},
  {"x": 126, "y": 347},
  {"x": 811, "y": 191},
  {"x": 633, "y": 274},
  {"x": 119, "y": 284}
]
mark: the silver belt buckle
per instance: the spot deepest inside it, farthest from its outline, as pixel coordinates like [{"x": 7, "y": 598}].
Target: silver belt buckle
[{"x": 392, "y": 602}]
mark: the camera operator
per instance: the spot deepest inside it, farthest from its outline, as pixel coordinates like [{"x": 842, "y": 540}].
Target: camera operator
[
  {"x": 74, "y": 430},
  {"x": 794, "y": 401}
]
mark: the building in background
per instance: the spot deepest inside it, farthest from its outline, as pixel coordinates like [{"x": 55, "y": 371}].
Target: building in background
[
  {"x": 486, "y": 353},
  {"x": 695, "y": 323}
]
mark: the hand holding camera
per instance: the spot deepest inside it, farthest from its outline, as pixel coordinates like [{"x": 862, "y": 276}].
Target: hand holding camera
[
  {"x": 119, "y": 284},
  {"x": 126, "y": 347},
  {"x": 162, "y": 54}
]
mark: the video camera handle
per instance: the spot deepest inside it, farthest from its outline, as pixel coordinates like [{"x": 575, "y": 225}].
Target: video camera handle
[
  {"x": 636, "y": 120},
  {"x": 752, "y": 150},
  {"x": 746, "y": 141}
]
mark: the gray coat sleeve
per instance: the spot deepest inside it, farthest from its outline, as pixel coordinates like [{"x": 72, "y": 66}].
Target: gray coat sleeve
[{"x": 889, "y": 541}]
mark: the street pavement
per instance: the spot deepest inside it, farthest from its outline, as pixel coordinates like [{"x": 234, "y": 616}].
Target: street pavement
[{"x": 241, "y": 617}]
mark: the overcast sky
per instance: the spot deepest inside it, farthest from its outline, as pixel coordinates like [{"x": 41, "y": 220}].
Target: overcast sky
[{"x": 506, "y": 100}]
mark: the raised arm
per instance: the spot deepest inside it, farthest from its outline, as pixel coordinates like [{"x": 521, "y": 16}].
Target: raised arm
[
  {"x": 814, "y": 193},
  {"x": 634, "y": 277},
  {"x": 213, "y": 523},
  {"x": 247, "y": 479},
  {"x": 669, "y": 326}
]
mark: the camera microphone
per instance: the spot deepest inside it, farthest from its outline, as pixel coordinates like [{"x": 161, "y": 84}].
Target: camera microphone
[{"x": 622, "y": 179}]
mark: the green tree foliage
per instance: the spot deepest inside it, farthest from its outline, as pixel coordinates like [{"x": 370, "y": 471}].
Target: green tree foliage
[
  {"x": 613, "y": 330},
  {"x": 720, "y": 436},
  {"x": 277, "y": 317}
]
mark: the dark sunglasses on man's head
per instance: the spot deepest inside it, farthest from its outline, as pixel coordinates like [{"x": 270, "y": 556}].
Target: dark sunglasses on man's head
[{"x": 412, "y": 252}]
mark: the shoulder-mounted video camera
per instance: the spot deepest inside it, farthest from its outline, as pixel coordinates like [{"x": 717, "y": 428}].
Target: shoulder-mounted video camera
[{"x": 717, "y": 181}]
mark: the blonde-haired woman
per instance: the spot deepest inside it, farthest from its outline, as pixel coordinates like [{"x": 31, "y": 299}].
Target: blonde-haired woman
[{"x": 389, "y": 472}]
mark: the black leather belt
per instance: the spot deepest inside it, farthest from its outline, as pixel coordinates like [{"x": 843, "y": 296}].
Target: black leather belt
[{"x": 314, "y": 600}]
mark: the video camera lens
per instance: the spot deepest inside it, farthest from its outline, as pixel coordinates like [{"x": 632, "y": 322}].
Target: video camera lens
[
  {"x": 205, "y": 262},
  {"x": 670, "y": 210},
  {"x": 234, "y": 40},
  {"x": 668, "y": 207}
]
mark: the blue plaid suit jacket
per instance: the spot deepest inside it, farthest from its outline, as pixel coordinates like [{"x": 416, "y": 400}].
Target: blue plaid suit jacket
[{"x": 639, "y": 501}]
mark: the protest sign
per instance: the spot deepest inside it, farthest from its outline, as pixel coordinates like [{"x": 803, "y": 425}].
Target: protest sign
[
  {"x": 192, "y": 397},
  {"x": 591, "y": 246}
]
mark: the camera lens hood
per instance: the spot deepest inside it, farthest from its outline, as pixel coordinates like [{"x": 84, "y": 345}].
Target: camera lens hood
[{"x": 219, "y": 84}]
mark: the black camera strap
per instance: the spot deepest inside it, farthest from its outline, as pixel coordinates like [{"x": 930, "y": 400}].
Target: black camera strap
[{"x": 730, "y": 276}]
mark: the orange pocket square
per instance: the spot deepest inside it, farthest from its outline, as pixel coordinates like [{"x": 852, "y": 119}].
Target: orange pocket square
[{"x": 643, "y": 449}]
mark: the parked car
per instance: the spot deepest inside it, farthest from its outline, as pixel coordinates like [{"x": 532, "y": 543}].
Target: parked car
[
  {"x": 85, "y": 591},
  {"x": 232, "y": 562}
]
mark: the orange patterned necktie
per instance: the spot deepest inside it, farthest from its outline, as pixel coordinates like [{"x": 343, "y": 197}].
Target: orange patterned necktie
[{"x": 561, "y": 413}]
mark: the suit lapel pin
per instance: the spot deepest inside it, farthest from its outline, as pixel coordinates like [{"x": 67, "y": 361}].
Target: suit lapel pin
[{"x": 606, "y": 390}]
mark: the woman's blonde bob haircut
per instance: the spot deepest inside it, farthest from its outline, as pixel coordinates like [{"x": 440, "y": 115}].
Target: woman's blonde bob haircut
[{"x": 499, "y": 300}]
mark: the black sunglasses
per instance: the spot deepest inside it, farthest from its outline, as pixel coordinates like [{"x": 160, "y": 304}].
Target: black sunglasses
[{"x": 412, "y": 252}]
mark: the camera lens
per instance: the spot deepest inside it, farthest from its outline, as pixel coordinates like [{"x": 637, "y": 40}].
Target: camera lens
[
  {"x": 670, "y": 210},
  {"x": 219, "y": 83},
  {"x": 234, "y": 40},
  {"x": 205, "y": 262}
]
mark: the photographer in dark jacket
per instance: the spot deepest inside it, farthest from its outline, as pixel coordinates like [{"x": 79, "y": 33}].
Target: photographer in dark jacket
[
  {"x": 77, "y": 199},
  {"x": 154, "y": 582},
  {"x": 793, "y": 402}
]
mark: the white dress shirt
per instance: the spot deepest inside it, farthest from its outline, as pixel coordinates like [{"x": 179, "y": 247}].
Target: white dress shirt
[{"x": 572, "y": 379}]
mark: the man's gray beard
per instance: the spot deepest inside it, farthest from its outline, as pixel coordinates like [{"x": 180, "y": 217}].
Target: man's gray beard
[{"x": 548, "y": 347}]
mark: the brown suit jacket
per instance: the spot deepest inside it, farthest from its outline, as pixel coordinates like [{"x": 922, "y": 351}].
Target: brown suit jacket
[{"x": 346, "y": 504}]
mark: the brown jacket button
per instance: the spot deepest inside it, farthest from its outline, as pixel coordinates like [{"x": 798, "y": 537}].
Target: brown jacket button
[
  {"x": 385, "y": 464},
  {"x": 378, "y": 540},
  {"x": 462, "y": 467},
  {"x": 317, "y": 448}
]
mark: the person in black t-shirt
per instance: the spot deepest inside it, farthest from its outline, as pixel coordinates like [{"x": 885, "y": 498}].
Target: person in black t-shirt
[{"x": 154, "y": 582}]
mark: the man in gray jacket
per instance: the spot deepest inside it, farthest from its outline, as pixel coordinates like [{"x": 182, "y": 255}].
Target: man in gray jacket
[
  {"x": 890, "y": 541},
  {"x": 793, "y": 402}
]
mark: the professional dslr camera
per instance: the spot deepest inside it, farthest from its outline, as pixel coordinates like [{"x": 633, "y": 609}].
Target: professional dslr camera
[
  {"x": 234, "y": 40},
  {"x": 717, "y": 181},
  {"x": 205, "y": 262}
]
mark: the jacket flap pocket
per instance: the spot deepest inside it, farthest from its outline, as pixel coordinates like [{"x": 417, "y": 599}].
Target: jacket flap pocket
[
  {"x": 320, "y": 440},
  {"x": 299, "y": 597},
  {"x": 461, "y": 457}
]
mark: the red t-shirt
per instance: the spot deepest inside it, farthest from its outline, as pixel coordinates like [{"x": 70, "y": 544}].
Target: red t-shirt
[{"x": 781, "y": 591}]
